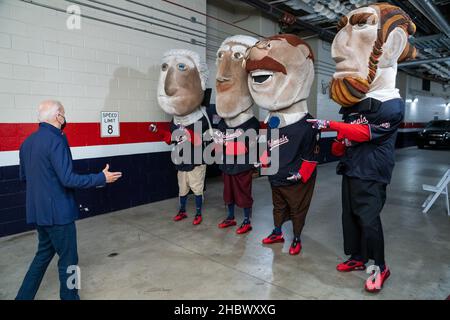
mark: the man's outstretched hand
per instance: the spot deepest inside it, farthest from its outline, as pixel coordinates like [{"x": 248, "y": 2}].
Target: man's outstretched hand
[
  {"x": 319, "y": 124},
  {"x": 111, "y": 176}
]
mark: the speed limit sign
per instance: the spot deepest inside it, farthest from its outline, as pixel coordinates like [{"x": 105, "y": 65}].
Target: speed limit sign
[{"x": 110, "y": 125}]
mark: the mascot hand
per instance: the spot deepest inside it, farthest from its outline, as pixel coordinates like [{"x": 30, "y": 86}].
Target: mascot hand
[
  {"x": 194, "y": 138},
  {"x": 153, "y": 128},
  {"x": 295, "y": 176},
  {"x": 319, "y": 124},
  {"x": 338, "y": 148},
  {"x": 264, "y": 160},
  {"x": 164, "y": 135},
  {"x": 217, "y": 138}
]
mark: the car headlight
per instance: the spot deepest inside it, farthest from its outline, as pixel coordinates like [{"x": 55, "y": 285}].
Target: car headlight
[{"x": 447, "y": 135}]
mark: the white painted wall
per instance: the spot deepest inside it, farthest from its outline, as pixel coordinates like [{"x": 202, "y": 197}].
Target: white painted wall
[
  {"x": 100, "y": 67},
  {"x": 429, "y": 105},
  {"x": 319, "y": 102}
]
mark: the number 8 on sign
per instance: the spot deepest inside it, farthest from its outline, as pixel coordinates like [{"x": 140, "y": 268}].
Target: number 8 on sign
[{"x": 109, "y": 124}]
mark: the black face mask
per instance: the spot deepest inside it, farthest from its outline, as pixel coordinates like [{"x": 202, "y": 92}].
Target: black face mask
[{"x": 63, "y": 125}]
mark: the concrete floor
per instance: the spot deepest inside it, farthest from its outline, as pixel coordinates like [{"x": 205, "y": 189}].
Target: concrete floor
[{"x": 160, "y": 259}]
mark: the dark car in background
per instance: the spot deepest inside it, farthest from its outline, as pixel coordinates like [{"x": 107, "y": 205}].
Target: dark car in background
[{"x": 435, "y": 134}]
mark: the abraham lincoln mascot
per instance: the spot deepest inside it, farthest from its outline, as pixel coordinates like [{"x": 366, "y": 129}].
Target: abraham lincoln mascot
[
  {"x": 370, "y": 42},
  {"x": 281, "y": 72},
  {"x": 181, "y": 87}
]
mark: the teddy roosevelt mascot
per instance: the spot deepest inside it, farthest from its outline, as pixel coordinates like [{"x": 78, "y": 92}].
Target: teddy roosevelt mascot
[
  {"x": 369, "y": 43},
  {"x": 238, "y": 129},
  {"x": 281, "y": 73},
  {"x": 181, "y": 89}
]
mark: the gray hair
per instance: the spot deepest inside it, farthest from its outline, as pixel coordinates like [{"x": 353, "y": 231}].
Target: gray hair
[
  {"x": 48, "y": 110},
  {"x": 194, "y": 56}
]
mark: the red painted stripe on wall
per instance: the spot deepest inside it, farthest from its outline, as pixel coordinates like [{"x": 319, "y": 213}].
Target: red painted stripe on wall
[
  {"x": 88, "y": 134},
  {"x": 80, "y": 134}
]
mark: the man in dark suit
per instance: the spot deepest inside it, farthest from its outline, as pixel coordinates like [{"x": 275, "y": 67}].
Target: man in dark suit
[{"x": 46, "y": 166}]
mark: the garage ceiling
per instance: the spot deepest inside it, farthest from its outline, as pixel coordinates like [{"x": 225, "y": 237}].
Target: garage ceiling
[{"x": 320, "y": 17}]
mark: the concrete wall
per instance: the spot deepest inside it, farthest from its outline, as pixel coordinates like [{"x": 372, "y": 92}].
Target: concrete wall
[
  {"x": 100, "y": 67},
  {"x": 429, "y": 104}
]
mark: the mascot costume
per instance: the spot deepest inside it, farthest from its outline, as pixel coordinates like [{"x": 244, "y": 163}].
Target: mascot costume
[
  {"x": 281, "y": 72},
  {"x": 234, "y": 105},
  {"x": 369, "y": 43},
  {"x": 181, "y": 87}
]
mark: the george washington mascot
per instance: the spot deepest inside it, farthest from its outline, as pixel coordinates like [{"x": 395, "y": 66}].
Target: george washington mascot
[
  {"x": 281, "y": 73},
  {"x": 181, "y": 89},
  {"x": 370, "y": 42},
  {"x": 237, "y": 129}
]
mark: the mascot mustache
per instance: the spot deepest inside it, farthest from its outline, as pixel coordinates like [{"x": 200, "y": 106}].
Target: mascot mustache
[
  {"x": 266, "y": 63},
  {"x": 348, "y": 91}
]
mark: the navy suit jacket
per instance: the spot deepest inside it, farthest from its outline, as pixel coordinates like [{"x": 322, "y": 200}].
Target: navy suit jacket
[{"x": 46, "y": 165}]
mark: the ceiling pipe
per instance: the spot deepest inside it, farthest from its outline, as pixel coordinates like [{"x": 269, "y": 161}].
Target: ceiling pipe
[
  {"x": 330, "y": 10},
  {"x": 298, "y": 5},
  {"x": 442, "y": 69},
  {"x": 432, "y": 13},
  {"x": 278, "y": 14},
  {"x": 436, "y": 66},
  {"x": 413, "y": 63},
  {"x": 328, "y": 36}
]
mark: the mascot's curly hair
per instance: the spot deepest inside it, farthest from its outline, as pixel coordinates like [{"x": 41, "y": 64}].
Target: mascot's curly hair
[{"x": 349, "y": 91}]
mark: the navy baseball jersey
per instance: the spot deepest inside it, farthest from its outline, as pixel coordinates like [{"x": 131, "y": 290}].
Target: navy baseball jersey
[{"x": 373, "y": 160}]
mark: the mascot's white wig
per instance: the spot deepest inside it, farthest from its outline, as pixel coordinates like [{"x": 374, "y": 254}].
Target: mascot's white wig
[
  {"x": 195, "y": 57},
  {"x": 246, "y": 41},
  {"x": 241, "y": 44}
]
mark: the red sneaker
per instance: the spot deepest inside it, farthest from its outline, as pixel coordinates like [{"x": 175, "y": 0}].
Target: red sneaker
[
  {"x": 351, "y": 265},
  {"x": 227, "y": 223},
  {"x": 273, "y": 238},
  {"x": 244, "y": 228},
  {"x": 375, "y": 282},
  {"x": 180, "y": 216},
  {"x": 295, "y": 248},
  {"x": 197, "y": 220}
]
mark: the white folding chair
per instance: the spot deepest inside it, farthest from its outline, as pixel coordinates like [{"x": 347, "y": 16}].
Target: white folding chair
[{"x": 440, "y": 189}]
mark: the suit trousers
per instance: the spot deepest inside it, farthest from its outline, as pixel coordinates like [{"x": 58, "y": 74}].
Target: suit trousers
[{"x": 60, "y": 240}]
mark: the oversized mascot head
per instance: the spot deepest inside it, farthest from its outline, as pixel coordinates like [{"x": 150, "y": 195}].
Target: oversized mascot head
[
  {"x": 281, "y": 71},
  {"x": 182, "y": 82},
  {"x": 232, "y": 97},
  {"x": 369, "y": 43}
]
